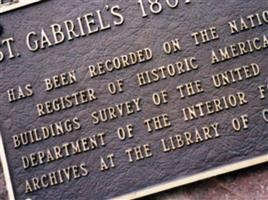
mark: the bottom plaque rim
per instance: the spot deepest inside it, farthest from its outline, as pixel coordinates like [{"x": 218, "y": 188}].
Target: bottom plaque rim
[
  {"x": 155, "y": 188},
  {"x": 216, "y": 171}
]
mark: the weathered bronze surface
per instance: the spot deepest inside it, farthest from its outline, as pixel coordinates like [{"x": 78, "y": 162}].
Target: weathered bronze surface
[{"x": 101, "y": 99}]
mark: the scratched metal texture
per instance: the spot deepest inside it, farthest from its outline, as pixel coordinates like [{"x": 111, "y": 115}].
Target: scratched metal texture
[{"x": 134, "y": 34}]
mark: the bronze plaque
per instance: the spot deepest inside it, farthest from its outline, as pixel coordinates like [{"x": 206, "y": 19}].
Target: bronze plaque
[{"x": 122, "y": 99}]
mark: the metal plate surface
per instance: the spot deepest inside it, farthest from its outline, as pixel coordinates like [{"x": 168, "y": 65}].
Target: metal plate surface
[{"x": 122, "y": 99}]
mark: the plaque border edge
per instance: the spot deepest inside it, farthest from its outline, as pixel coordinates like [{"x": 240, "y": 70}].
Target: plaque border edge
[
  {"x": 7, "y": 8},
  {"x": 6, "y": 172},
  {"x": 194, "y": 178},
  {"x": 154, "y": 188}
]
